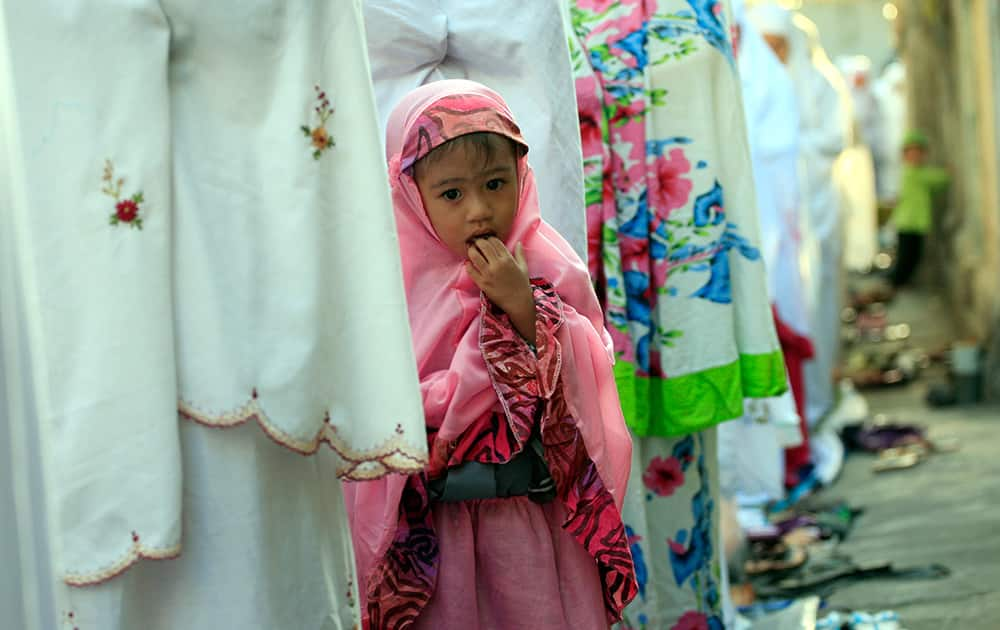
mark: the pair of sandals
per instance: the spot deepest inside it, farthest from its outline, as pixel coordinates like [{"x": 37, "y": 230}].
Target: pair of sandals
[
  {"x": 821, "y": 576},
  {"x": 909, "y": 455},
  {"x": 871, "y": 325},
  {"x": 899, "y": 446},
  {"x": 784, "y": 571},
  {"x": 868, "y": 370}
]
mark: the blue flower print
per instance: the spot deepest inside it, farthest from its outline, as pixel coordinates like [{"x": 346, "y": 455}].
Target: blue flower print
[
  {"x": 707, "y": 14},
  {"x": 718, "y": 289},
  {"x": 732, "y": 240},
  {"x": 708, "y": 207},
  {"x": 635, "y": 44},
  {"x": 638, "y": 559}
]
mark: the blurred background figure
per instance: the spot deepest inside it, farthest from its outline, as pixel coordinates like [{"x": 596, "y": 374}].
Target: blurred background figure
[
  {"x": 890, "y": 92},
  {"x": 822, "y": 137},
  {"x": 860, "y": 170}
]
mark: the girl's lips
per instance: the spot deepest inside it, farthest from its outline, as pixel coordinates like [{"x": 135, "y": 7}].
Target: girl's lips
[{"x": 475, "y": 237}]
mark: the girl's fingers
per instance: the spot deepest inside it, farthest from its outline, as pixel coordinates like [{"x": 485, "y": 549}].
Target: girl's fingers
[
  {"x": 496, "y": 247},
  {"x": 499, "y": 250},
  {"x": 478, "y": 259},
  {"x": 480, "y": 246},
  {"x": 474, "y": 273},
  {"x": 483, "y": 246}
]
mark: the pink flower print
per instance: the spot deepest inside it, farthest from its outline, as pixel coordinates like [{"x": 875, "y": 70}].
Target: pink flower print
[
  {"x": 628, "y": 167},
  {"x": 594, "y": 5},
  {"x": 691, "y": 620},
  {"x": 590, "y": 137},
  {"x": 676, "y": 547},
  {"x": 663, "y": 476},
  {"x": 668, "y": 190},
  {"x": 630, "y": 15},
  {"x": 630, "y": 112}
]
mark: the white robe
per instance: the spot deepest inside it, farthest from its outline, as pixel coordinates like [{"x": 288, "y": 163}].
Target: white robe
[
  {"x": 262, "y": 297},
  {"x": 890, "y": 90},
  {"x": 751, "y": 455},
  {"x": 518, "y": 49},
  {"x": 860, "y": 172},
  {"x": 824, "y": 133}
]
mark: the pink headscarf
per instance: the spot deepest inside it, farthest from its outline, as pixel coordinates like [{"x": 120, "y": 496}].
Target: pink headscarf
[{"x": 444, "y": 306}]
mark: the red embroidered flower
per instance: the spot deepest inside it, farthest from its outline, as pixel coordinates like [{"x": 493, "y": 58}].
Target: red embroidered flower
[
  {"x": 663, "y": 476},
  {"x": 127, "y": 210},
  {"x": 691, "y": 620}
]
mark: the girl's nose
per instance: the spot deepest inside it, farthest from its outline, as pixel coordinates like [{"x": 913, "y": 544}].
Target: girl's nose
[{"x": 479, "y": 209}]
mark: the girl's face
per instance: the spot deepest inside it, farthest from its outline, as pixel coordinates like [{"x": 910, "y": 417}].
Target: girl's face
[{"x": 470, "y": 190}]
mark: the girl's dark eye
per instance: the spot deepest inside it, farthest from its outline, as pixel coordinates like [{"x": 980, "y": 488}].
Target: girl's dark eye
[
  {"x": 452, "y": 194},
  {"x": 495, "y": 184}
]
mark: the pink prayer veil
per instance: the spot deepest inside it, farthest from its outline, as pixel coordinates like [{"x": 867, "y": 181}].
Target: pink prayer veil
[{"x": 444, "y": 307}]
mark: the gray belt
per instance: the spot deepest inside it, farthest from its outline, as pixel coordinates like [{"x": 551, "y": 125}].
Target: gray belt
[{"x": 526, "y": 474}]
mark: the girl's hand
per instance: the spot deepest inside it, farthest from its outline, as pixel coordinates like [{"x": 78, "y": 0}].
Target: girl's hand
[{"x": 504, "y": 280}]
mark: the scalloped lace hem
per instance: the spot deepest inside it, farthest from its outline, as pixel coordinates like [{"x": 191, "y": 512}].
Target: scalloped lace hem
[
  {"x": 394, "y": 455},
  {"x": 135, "y": 553}
]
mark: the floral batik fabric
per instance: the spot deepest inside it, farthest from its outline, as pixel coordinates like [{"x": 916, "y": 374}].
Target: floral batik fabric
[
  {"x": 674, "y": 251},
  {"x": 210, "y": 281},
  {"x": 673, "y": 235},
  {"x": 675, "y": 489}
]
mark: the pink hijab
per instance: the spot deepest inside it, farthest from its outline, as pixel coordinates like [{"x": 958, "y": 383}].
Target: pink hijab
[{"x": 444, "y": 306}]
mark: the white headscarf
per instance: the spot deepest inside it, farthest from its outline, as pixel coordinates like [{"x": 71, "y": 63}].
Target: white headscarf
[
  {"x": 771, "y": 19},
  {"x": 773, "y": 129}
]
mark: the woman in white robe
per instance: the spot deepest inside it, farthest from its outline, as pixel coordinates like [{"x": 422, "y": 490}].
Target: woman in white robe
[
  {"x": 205, "y": 263},
  {"x": 751, "y": 458},
  {"x": 823, "y": 136}
]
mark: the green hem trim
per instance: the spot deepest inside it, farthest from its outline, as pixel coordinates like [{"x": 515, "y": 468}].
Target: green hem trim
[{"x": 685, "y": 404}]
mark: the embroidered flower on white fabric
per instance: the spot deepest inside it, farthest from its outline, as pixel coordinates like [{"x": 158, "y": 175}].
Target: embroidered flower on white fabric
[
  {"x": 319, "y": 137},
  {"x": 128, "y": 210}
]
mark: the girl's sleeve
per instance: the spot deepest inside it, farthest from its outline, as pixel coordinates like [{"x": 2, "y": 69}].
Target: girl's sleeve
[{"x": 515, "y": 367}]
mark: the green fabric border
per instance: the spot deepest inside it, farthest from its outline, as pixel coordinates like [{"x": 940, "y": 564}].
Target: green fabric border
[{"x": 685, "y": 404}]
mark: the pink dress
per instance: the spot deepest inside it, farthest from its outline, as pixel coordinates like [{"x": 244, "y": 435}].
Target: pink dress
[{"x": 509, "y": 563}]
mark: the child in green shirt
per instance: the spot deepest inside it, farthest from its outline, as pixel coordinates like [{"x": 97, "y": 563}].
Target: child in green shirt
[{"x": 912, "y": 214}]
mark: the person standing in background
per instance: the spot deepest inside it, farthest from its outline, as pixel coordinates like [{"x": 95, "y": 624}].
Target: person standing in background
[{"x": 912, "y": 216}]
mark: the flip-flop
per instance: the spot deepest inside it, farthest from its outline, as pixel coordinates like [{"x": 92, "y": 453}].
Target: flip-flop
[
  {"x": 793, "y": 558},
  {"x": 895, "y": 461},
  {"x": 824, "y": 578}
]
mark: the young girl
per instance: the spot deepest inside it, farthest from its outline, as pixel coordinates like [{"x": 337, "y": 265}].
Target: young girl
[{"x": 516, "y": 521}]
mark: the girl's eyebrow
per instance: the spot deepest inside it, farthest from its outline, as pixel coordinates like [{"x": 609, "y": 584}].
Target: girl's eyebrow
[
  {"x": 503, "y": 168},
  {"x": 457, "y": 180},
  {"x": 449, "y": 181}
]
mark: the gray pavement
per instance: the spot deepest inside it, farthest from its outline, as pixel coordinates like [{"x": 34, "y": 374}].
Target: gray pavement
[{"x": 945, "y": 510}]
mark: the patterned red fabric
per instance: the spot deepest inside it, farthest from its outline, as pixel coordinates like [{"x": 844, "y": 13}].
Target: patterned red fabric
[{"x": 529, "y": 391}]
